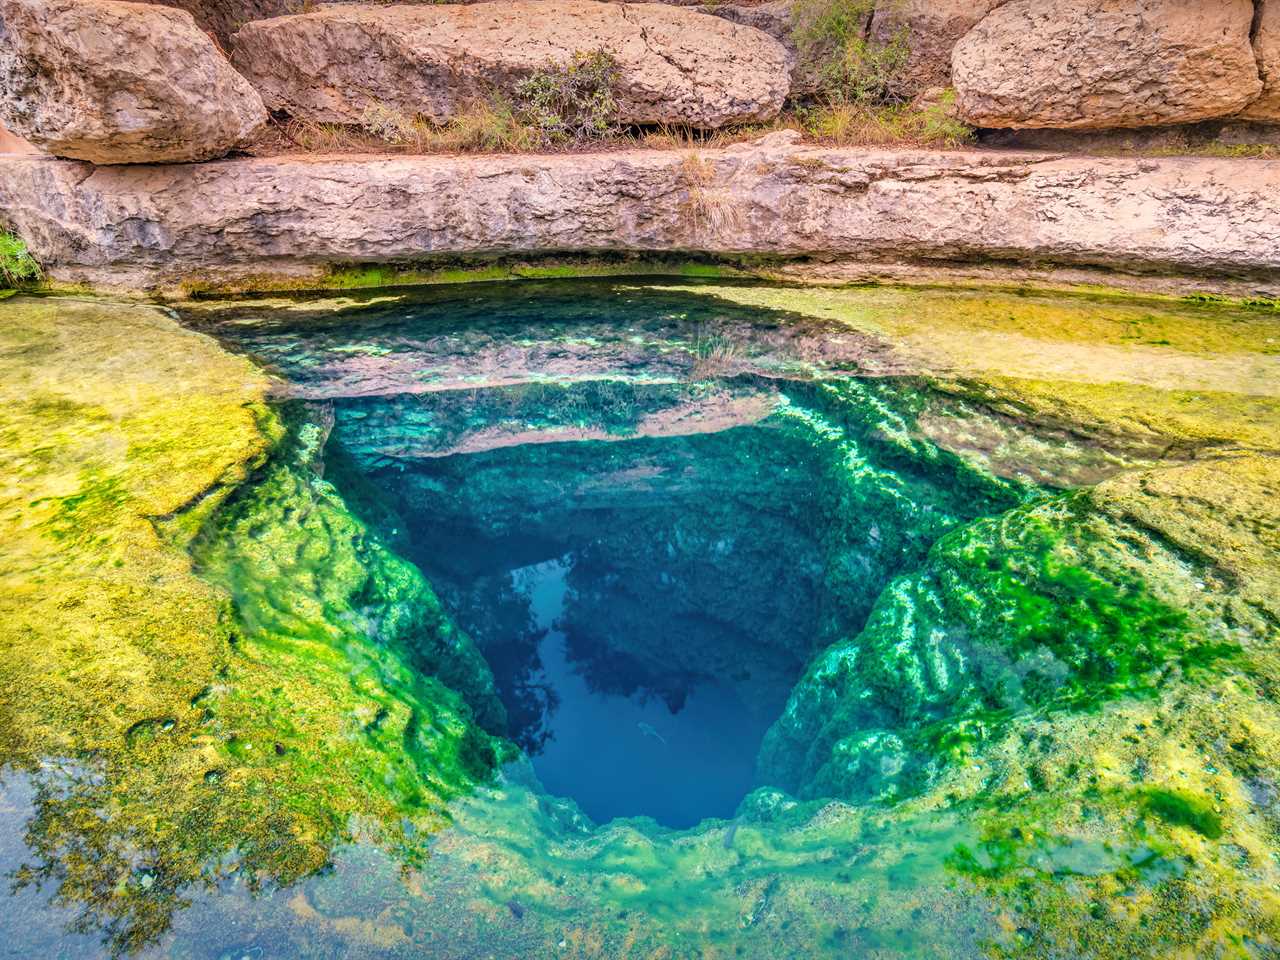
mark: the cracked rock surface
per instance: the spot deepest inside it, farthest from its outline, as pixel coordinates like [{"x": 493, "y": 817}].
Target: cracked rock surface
[
  {"x": 675, "y": 65},
  {"x": 1106, "y": 63},
  {"x": 1266, "y": 47},
  {"x": 137, "y": 228},
  {"x": 115, "y": 82}
]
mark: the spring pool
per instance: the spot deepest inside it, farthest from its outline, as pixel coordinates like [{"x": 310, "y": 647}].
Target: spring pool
[{"x": 623, "y": 618}]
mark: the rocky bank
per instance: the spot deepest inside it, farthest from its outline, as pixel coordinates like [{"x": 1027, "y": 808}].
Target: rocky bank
[
  {"x": 244, "y": 222},
  {"x": 145, "y": 219}
]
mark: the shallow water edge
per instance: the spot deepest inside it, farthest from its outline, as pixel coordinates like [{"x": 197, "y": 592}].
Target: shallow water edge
[{"x": 1022, "y": 695}]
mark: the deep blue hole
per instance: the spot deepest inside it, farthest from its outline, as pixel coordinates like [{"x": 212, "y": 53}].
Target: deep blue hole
[{"x": 646, "y": 605}]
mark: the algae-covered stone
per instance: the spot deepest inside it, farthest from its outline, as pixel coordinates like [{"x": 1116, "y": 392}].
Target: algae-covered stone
[
  {"x": 1074, "y": 684},
  {"x": 198, "y": 730}
]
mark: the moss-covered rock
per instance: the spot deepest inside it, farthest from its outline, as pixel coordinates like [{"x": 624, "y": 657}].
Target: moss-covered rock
[{"x": 184, "y": 729}]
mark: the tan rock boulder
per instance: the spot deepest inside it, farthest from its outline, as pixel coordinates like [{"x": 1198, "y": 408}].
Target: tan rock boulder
[
  {"x": 115, "y": 82},
  {"x": 930, "y": 29},
  {"x": 675, "y": 65},
  {"x": 1106, "y": 63},
  {"x": 1266, "y": 46}
]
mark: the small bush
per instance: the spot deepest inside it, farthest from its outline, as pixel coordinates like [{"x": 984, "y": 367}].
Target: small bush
[
  {"x": 855, "y": 125},
  {"x": 559, "y": 105},
  {"x": 392, "y": 126},
  {"x": 572, "y": 103},
  {"x": 837, "y": 56},
  {"x": 17, "y": 266}
]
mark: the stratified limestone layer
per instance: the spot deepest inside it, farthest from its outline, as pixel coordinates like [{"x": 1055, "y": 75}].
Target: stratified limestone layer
[{"x": 249, "y": 221}]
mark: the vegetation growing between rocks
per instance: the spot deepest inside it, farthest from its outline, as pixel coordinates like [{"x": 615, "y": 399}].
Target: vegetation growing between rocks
[
  {"x": 17, "y": 265},
  {"x": 560, "y": 105},
  {"x": 855, "y": 124},
  {"x": 571, "y": 103},
  {"x": 839, "y": 59}
]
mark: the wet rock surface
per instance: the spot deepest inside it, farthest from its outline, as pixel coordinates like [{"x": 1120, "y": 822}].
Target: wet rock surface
[
  {"x": 674, "y": 65},
  {"x": 117, "y": 82},
  {"x": 274, "y": 705}
]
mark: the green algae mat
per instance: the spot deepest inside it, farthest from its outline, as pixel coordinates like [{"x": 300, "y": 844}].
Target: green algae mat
[{"x": 640, "y": 619}]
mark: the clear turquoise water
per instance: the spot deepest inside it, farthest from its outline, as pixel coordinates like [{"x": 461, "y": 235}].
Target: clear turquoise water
[{"x": 743, "y": 587}]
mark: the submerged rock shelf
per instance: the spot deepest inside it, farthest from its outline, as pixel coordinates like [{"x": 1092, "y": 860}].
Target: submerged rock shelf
[
  {"x": 1002, "y": 572},
  {"x": 263, "y": 223}
]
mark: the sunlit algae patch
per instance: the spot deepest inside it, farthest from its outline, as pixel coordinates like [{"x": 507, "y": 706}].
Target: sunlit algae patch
[{"x": 1034, "y": 709}]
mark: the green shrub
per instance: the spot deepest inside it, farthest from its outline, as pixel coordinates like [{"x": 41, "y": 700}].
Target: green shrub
[
  {"x": 17, "y": 266},
  {"x": 572, "y": 103},
  {"x": 914, "y": 124},
  {"x": 837, "y": 56},
  {"x": 558, "y": 105}
]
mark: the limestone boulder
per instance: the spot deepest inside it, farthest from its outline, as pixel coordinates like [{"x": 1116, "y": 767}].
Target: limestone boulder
[
  {"x": 1266, "y": 47},
  {"x": 930, "y": 30},
  {"x": 1093, "y": 64},
  {"x": 675, "y": 65},
  {"x": 115, "y": 82}
]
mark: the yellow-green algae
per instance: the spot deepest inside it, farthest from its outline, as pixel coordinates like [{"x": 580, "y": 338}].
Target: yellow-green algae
[
  {"x": 1137, "y": 820},
  {"x": 384, "y": 275},
  {"x": 165, "y": 733}
]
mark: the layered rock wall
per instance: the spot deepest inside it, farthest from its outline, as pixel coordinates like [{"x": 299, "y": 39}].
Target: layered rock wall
[{"x": 139, "y": 228}]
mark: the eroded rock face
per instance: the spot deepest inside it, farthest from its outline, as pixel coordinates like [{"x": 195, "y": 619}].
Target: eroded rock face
[
  {"x": 114, "y": 82},
  {"x": 930, "y": 28},
  {"x": 772, "y": 17},
  {"x": 12, "y": 143},
  {"x": 222, "y": 18},
  {"x": 1266, "y": 46},
  {"x": 676, "y": 66},
  {"x": 1106, "y": 63},
  {"x": 147, "y": 227}
]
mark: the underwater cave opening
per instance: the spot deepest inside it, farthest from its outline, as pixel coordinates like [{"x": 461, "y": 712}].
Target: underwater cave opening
[
  {"x": 650, "y": 509},
  {"x": 646, "y": 604}
]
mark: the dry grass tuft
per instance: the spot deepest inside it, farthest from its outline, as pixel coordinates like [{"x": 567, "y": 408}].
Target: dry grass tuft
[
  {"x": 708, "y": 208},
  {"x": 908, "y": 125}
]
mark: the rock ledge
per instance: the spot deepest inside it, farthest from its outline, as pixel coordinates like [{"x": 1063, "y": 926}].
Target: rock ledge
[{"x": 150, "y": 227}]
